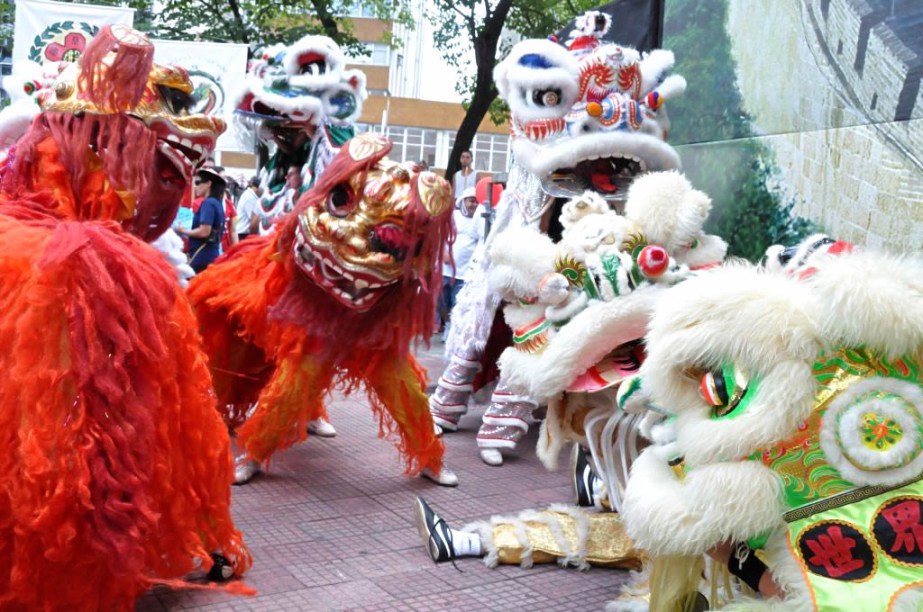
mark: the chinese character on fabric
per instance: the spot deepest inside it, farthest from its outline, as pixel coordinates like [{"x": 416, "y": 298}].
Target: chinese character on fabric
[
  {"x": 836, "y": 550},
  {"x": 898, "y": 528}
]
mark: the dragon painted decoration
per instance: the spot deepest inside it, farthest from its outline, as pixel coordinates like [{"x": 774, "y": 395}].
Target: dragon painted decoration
[
  {"x": 301, "y": 102},
  {"x": 798, "y": 402},
  {"x": 585, "y": 116},
  {"x": 114, "y": 467},
  {"x": 334, "y": 296}
]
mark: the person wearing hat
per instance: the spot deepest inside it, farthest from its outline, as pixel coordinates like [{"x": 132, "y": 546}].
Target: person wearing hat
[
  {"x": 207, "y": 221},
  {"x": 469, "y": 230}
]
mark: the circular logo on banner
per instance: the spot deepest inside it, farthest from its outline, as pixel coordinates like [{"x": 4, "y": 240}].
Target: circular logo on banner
[
  {"x": 207, "y": 93},
  {"x": 63, "y": 41}
]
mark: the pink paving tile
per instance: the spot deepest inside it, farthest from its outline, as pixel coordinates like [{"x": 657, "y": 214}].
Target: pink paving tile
[{"x": 331, "y": 527}]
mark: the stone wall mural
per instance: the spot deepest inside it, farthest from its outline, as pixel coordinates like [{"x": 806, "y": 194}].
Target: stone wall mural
[{"x": 803, "y": 115}]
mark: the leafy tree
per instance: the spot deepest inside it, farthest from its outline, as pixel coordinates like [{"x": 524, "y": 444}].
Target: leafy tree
[
  {"x": 721, "y": 155},
  {"x": 466, "y": 28},
  {"x": 259, "y": 22}
]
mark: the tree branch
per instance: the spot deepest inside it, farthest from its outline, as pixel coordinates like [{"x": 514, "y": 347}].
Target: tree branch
[{"x": 235, "y": 8}]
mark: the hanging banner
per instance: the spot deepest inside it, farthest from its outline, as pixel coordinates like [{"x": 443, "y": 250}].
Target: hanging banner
[
  {"x": 49, "y": 32},
  {"x": 217, "y": 71}
]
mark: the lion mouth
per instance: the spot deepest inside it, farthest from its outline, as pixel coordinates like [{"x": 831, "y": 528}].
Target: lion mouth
[{"x": 607, "y": 176}]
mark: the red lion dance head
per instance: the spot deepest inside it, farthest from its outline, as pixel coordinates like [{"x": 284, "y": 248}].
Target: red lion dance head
[
  {"x": 115, "y": 139},
  {"x": 370, "y": 236}
]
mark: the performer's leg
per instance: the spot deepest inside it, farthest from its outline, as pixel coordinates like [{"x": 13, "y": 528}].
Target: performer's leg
[
  {"x": 504, "y": 423},
  {"x": 449, "y": 401},
  {"x": 564, "y": 534},
  {"x": 396, "y": 393}
]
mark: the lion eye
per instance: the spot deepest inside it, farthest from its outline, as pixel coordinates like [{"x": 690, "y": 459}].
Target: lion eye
[
  {"x": 340, "y": 200},
  {"x": 313, "y": 68},
  {"x": 723, "y": 390},
  {"x": 714, "y": 389},
  {"x": 546, "y": 97}
]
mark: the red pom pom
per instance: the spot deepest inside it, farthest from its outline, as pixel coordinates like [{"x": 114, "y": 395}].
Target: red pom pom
[{"x": 653, "y": 261}]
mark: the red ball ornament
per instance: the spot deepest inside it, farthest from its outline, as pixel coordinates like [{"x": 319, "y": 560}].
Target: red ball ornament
[
  {"x": 653, "y": 261},
  {"x": 483, "y": 186}
]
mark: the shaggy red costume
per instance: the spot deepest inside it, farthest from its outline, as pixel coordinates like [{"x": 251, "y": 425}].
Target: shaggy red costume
[
  {"x": 334, "y": 296},
  {"x": 114, "y": 470}
]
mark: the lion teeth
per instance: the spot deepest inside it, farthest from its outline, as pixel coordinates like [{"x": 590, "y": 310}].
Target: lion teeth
[{"x": 360, "y": 284}]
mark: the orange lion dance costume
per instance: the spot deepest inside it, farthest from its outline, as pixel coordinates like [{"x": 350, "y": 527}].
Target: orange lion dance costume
[
  {"x": 333, "y": 297},
  {"x": 114, "y": 470}
]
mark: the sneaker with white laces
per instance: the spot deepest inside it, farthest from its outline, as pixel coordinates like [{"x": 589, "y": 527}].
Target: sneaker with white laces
[
  {"x": 321, "y": 427},
  {"x": 446, "y": 477},
  {"x": 435, "y": 532}
]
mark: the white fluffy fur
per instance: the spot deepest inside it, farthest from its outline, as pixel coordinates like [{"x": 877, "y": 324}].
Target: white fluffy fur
[
  {"x": 542, "y": 160},
  {"x": 170, "y": 246},
  {"x": 521, "y": 258},
  {"x": 715, "y": 503},
  {"x": 516, "y": 82},
  {"x": 322, "y": 45},
  {"x": 871, "y": 299},
  {"x": 15, "y": 120},
  {"x": 653, "y": 65},
  {"x": 590, "y": 203},
  {"x": 672, "y": 210},
  {"x": 756, "y": 321}
]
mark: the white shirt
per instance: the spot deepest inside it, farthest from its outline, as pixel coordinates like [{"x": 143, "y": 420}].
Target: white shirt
[
  {"x": 462, "y": 182},
  {"x": 468, "y": 232},
  {"x": 247, "y": 206}
]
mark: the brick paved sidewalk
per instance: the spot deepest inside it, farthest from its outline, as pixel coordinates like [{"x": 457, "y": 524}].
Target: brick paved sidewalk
[{"x": 331, "y": 527}]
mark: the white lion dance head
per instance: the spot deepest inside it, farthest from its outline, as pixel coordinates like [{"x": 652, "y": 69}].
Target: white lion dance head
[
  {"x": 301, "y": 102},
  {"x": 589, "y": 116}
]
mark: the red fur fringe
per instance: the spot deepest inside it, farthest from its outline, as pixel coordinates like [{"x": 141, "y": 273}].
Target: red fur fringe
[
  {"x": 116, "y": 85},
  {"x": 114, "y": 466},
  {"x": 57, "y": 154}
]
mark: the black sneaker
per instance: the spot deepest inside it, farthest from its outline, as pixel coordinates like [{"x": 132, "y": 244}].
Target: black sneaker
[
  {"x": 436, "y": 534},
  {"x": 221, "y": 570},
  {"x": 584, "y": 477}
]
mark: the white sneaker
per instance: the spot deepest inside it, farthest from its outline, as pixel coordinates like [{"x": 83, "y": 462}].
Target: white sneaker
[
  {"x": 491, "y": 456},
  {"x": 245, "y": 470},
  {"x": 321, "y": 427},
  {"x": 446, "y": 477}
]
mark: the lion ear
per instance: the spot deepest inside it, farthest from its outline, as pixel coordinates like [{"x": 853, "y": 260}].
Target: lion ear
[{"x": 356, "y": 81}]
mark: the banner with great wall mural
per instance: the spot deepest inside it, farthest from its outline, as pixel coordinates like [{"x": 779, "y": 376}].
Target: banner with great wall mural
[{"x": 802, "y": 116}]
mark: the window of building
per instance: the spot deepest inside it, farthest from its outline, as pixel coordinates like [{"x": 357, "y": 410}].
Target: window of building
[
  {"x": 379, "y": 54},
  {"x": 359, "y": 9},
  {"x": 412, "y": 144}
]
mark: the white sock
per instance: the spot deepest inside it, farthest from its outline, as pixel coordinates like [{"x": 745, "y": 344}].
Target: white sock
[
  {"x": 599, "y": 489},
  {"x": 466, "y": 544}
]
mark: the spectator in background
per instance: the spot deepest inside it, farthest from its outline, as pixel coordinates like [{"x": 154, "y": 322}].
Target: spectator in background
[
  {"x": 469, "y": 230},
  {"x": 277, "y": 204},
  {"x": 229, "y": 237},
  {"x": 423, "y": 165},
  {"x": 207, "y": 220},
  {"x": 248, "y": 210},
  {"x": 464, "y": 178}
]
